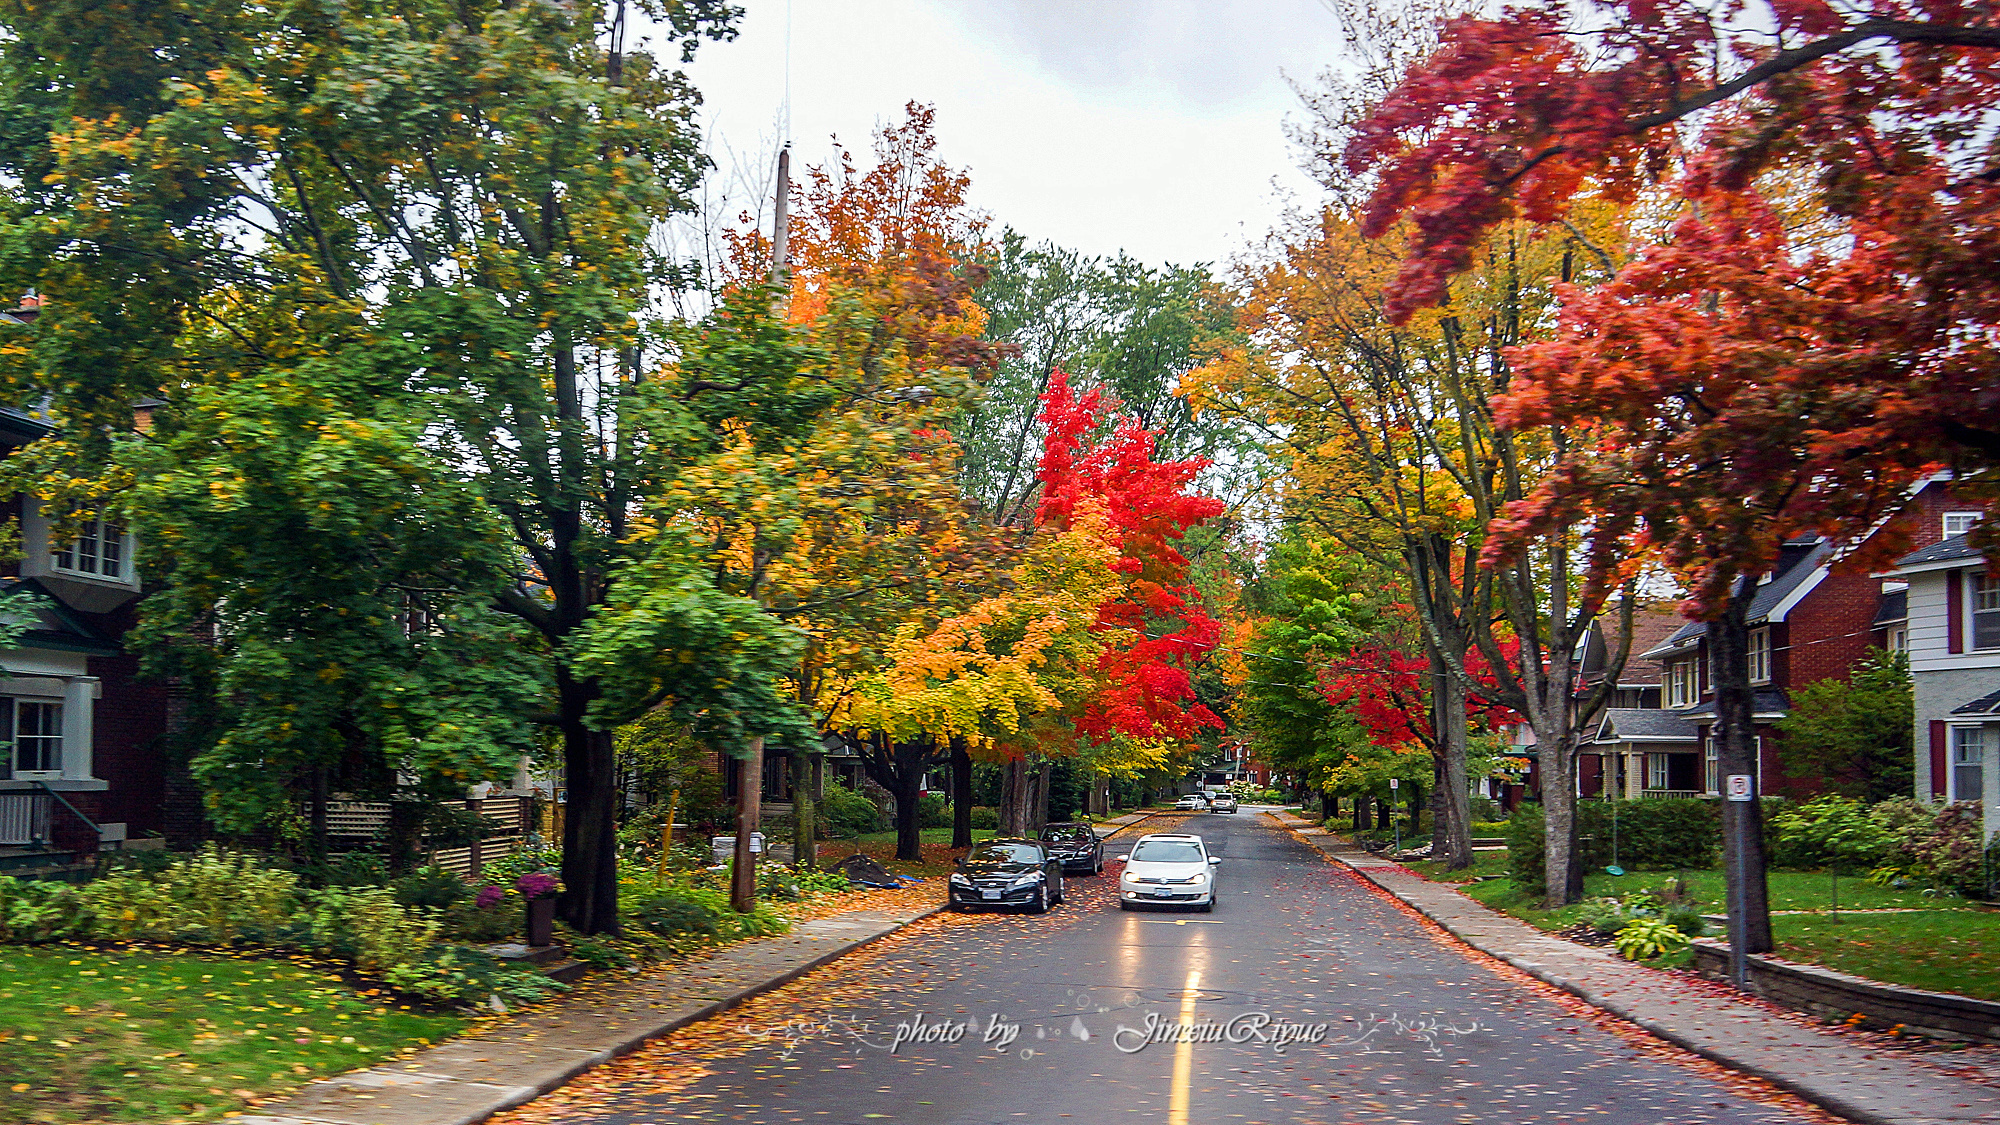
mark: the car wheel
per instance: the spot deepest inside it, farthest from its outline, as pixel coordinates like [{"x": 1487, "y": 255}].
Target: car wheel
[
  {"x": 1041, "y": 903},
  {"x": 1099, "y": 868},
  {"x": 1209, "y": 906},
  {"x": 1062, "y": 888}
]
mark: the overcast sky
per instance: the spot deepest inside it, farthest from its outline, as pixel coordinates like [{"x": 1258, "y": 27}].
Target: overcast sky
[{"x": 1152, "y": 126}]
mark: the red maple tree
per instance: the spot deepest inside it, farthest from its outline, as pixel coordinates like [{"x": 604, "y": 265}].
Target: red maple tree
[{"x": 1156, "y": 629}]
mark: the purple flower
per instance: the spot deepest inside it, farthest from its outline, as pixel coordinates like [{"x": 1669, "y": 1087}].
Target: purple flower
[
  {"x": 489, "y": 897},
  {"x": 535, "y": 884}
]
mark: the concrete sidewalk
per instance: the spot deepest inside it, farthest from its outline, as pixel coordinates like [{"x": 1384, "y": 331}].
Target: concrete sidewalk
[
  {"x": 467, "y": 1080},
  {"x": 1848, "y": 1078}
]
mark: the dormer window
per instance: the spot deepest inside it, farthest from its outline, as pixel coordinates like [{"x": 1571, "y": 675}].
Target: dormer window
[
  {"x": 1958, "y": 523},
  {"x": 101, "y": 549},
  {"x": 1759, "y": 656}
]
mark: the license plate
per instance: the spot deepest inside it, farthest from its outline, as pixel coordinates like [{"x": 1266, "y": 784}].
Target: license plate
[
  {"x": 1163, "y": 894},
  {"x": 989, "y": 894}
]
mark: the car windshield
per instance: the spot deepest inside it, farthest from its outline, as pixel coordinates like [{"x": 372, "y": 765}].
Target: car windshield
[
  {"x": 1166, "y": 851},
  {"x": 1005, "y": 853},
  {"x": 1066, "y": 835}
]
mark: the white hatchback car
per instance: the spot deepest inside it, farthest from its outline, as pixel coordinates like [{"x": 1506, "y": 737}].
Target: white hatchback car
[{"x": 1169, "y": 869}]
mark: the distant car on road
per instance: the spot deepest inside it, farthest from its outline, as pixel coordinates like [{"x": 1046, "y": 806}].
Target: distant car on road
[
  {"x": 1076, "y": 845},
  {"x": 1192, "y": 801},
  {"x": 1222, "y": 802},
  {"x": 1007, "y": 872},
  {"x": 1169, "y": 869}
]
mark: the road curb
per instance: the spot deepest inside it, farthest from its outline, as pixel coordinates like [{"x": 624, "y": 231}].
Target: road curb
[
  {"x": 1818, "y": 1094},
  {"x": 439, "y": 1075}
]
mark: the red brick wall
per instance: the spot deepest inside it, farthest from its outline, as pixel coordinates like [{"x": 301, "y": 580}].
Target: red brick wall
[{"x": 131, "y": 725}]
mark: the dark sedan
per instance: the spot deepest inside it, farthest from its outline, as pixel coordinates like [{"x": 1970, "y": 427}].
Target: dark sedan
[
  {"x": 1020, "y": 873},
  {"x": 1076, "y": 845}
]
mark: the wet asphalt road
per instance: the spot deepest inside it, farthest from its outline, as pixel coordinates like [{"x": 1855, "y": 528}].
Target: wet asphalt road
[{"x": 1414, "y": 1028}]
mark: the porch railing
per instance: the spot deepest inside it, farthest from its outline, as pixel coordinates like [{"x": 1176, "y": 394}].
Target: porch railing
[
  {"x": 1678, "y": 794},
  {"x": 42, "y": 819}
]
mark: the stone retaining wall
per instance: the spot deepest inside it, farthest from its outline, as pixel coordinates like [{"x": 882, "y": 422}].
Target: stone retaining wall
[{"x": 1840, "y": 997}]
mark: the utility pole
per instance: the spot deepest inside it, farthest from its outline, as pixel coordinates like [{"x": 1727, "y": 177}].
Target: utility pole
[{"x": 750, "y": 784}]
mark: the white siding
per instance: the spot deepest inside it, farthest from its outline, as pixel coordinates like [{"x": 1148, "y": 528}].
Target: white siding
[{"x": 1930, "y": 637}]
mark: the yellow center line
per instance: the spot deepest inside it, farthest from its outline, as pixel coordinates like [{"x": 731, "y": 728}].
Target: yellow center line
[{"x": 1177, "y": 1108}]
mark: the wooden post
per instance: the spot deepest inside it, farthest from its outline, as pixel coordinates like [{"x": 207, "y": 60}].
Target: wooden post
[
  {"x": 667, "y": 832},
  {"x": 749, "y": 807}
]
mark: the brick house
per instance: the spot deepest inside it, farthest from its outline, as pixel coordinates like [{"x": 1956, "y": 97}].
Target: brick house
[
  {"x": 85, "y": 756},
  {"x": 1635, "y": 749},
  {"x": 1814, "y": 617}
]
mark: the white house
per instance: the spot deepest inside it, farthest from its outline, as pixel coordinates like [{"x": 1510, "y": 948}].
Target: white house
[{"x": 1954, "y": 638}]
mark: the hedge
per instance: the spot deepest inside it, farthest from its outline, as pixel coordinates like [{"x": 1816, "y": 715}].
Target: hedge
[{"x": 1653, "y": 835}]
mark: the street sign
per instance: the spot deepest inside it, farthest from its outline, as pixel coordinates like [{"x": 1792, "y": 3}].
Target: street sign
[
  {"x": 1395, "y": 783},
  {"x": 1739, "y": 786}
]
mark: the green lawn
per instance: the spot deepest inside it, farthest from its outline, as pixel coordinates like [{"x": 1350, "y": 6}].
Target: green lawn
[
  {"x": 118, "y": 1035},
  {"x": 1790, "y": 890},
  {"x": 1942, "y": 951},
  {"x": 930, "y": 836},
  {"x": 1483, "y": 863}
]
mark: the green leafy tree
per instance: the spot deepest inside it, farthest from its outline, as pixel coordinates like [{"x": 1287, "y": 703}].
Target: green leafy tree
[
  {"x": 459, "y": 197},
  {"x": 1855, "y": 736}
]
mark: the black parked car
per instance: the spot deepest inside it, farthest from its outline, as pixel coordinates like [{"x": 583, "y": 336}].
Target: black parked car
[
  {"x": 1007, "y": 873},
  {"x": 1076, "y": 845}
]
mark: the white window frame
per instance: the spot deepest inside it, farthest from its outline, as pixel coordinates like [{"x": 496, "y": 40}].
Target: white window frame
[
  {"x": 1680, "y": 676},
  {"x": 1759, "y": 655},
  {"x": 1658, "y": 772},
  {"x": 1958, "y": 523},
  {"x": 99, "y": 534},
  {"x": 1982, "y": 597},
  {"x": 1711, "y": 760},
  {"x": 48, "y": 740},
  {"x": 1898, "y": 639},
  {"x": 1968, "y": 753}
]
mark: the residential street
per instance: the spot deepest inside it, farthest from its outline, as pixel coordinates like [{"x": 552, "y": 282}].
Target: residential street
[{"x": 1416, "y": 1029}]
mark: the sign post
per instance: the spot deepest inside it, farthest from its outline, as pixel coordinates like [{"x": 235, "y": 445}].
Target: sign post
[
  {"x": 1740, "y": 788},
  {"x": 1396, "y": 817}
]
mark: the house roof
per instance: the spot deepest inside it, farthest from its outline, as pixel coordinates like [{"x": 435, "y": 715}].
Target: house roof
[
  {"x": 1988, "y": 704},
  {"x": 55, "y": 627},
  {"x": 1651, "y": 625},
  {"x": 17, "y": 427},
  {"x": 1765, "y": 703},
  {"x": 1643, "y": 724},
  {"x": 1948, "y": 550},
  {"x": 1799, "y": 562},
  {"x": 1895, "y": 607}
]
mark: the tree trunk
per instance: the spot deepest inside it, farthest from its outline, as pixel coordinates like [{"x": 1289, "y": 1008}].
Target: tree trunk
[
  {"x": 749, "y": 813},
  {"x": 1736, "y": 753},
  {"x": 1383, "y": 811},
  {"x": 1453, "y": 818},
  {"x": 1014, "y": 797},
  {"x": 909, "y": 772},
  {"x": 804, "y": 811},
  {"x": 1038, "y": 802},
  {"x": 316, "y": 818},
  {"x": 1360, "y": 813},
  {"x": 961, "y": 796}
]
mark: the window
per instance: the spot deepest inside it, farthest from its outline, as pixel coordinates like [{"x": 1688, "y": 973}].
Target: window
[
  {"x": 1968, "y": 763},
  {"x": 1680, "y": 684},
  {"x": 37, "y": 736},
  {"x": 99, "y": 548},
  {"x": 1898, "y": 639},
  {"x": 1712, "y": 766},
  {"x": 1759, "y": 657},
  {"x": 1656, "y": 771},
  {"x": 1958, "y": 523},
  {"x": 1985, "y": 611}
]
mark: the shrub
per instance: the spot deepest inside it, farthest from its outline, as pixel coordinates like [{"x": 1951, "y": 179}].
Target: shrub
[
  {"x": 985, "y": 816},
  {"x": 1645, "y": 938},
  {"x": 846, "y": 813},
  {"x": 210, "y": 897},
  {"x": 670, "y": 914},
  {"x": 503, "y": 871},
  {"x": 431, "y": 886},
  {"x": 453, "y": 973},
  {"x": 352, "y": 869},
  {"x": 1653, "y": 834},
  {"x": 1604, "y": 915},
  {"x": 933, "y": 811},
  {"x": 32, "y": 912},
  {"x": 368, "y": 926},
  {"x": 1828, "y": 832},
  {"x": 492, "y": 916}
]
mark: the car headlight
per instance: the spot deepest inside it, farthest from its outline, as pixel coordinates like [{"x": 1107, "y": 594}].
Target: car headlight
[
  {"x": 1028, "y": 880},
  {"x": 958, "y": 880},
  {"x": 1199, "y": 877},
  {"x": 1130, "y": 878}
]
